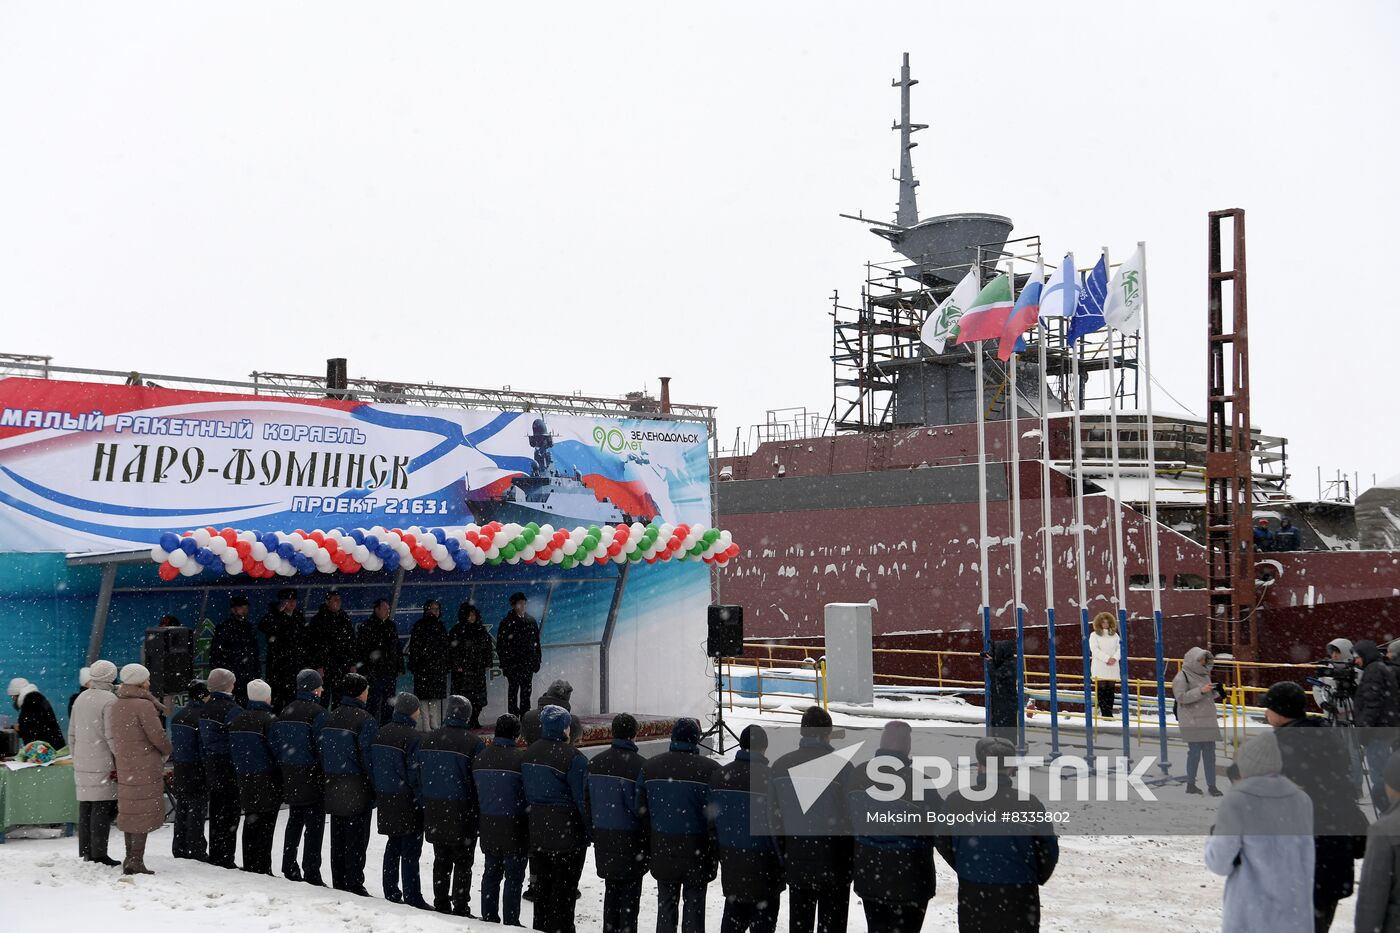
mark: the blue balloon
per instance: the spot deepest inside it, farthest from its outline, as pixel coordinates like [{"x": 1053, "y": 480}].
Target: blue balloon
[
  {"x": 452, "y": 545},
  {"x": 285, "y": 551},
  {"x": 391, "y": 560},
  {"x": 439, "y": 534},
  {"x": 371, "y": 541},
  {"x": 204, "y": 557},
  {"x": 269, "y": 541},
  {"x": 188, "y": 546},
  {"x": 217, "y": 568},
  {"x": 169, "y": 542},
  {"x": 358, "y": 535},
  {"x": 306, "y": 569}
]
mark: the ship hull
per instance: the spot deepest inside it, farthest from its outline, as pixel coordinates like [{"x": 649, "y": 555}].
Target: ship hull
[{"x": 540, "y": 513}]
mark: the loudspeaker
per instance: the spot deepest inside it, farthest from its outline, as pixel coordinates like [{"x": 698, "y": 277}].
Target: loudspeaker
[
  {"x": 169, "y": 656},
  {"x": 726, "y": 632}
]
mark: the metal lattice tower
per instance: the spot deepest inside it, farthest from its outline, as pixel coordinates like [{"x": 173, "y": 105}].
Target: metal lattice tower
[{"x": 1229, "y": 447}]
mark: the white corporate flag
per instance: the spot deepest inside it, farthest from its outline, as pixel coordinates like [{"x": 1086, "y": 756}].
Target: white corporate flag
[
  {"x": 1058, "y": 297},
  {"x": 941, "y": 325},
  {"x": 1123, "y": 309}
]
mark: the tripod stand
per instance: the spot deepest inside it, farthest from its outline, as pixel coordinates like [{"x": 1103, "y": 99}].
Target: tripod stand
[{"x": 719, "y": 728}]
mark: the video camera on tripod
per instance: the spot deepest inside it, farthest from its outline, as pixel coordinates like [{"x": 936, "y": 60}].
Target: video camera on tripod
[{"x": 1334, "y": 689}]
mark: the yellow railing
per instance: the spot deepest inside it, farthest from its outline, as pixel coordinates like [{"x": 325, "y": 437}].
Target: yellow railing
[{"x": 758, "y": 666}]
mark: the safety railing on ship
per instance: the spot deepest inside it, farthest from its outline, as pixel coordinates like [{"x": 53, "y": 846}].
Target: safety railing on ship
[{"x": 778, "y": 674}]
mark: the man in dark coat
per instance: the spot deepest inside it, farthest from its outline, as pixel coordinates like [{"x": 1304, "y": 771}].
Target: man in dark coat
[
  {"x": 346, "y": 739},
  {"x": 518, "y": 645},
  {"x": 676, "y": 795},
  {"x": 1001, "y": 705},
  {"x": 380, "y": 659},
  {"x": 331, "y": 646},
  {"x": 1315, "y": 758},
  {"x": 224, "y": 803},
  {"x": 37, "y": 721},
  {"x": 259, "y": 778},
  {"x": 470, "y": 654},
  {"x": 751, "y": 871},
  {"x": 560, "y": 693},
  {"x": 505, "y": 826},
  {"x": 234, "y": 647},
  {"x": 620, "y": 839},
  {"x": 283, "y": 627},
  {"x": 296, "y": 736},
  {"x": 816, "y": 840},
  {"x": 191, "y": 791},
  {"x": 1286, "y": 538},
  {"x": 450, "y": 817},
  {"x": 1000, "y": 870},
  {"x": 428, "y": 662},
  {"x": 894, "y": 874},
  {"x": 397, "y": 790},
  {"x": 555, "y": 775},
  {"x": 1377, "y": 714}
]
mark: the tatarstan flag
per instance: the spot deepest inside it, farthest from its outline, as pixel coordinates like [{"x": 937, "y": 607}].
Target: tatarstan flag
[{"x": 989, "y": 311}]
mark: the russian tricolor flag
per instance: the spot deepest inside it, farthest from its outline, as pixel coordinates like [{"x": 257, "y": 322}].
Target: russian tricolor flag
[{"x": 1021, "y": 319}]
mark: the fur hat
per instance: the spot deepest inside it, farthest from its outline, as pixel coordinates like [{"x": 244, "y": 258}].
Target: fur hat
[
  {"x": 135, "y": 675},
  {"x": 259, "y": 691}
]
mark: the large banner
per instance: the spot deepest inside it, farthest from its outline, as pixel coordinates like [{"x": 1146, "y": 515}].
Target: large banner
[{"x": 86, "y": 466}]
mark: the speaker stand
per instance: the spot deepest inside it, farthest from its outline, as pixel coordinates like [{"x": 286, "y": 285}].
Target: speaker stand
[{"x": 720, "y": 728}]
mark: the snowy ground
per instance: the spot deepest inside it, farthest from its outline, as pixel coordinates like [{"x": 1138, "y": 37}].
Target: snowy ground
[{"x": 1125, "y": 884}]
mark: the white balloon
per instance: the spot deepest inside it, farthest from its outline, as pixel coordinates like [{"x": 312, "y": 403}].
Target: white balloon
[
  {"x": 159, "y": 554},
  {"x": 726, "y": 537},
  {"x": 493, "y": 552},
  {"x": 514, "y": 559},
  {"x": 447, "y": 563},
  {"x": 258, "y": 551},
  {"x": 439, "y": 553},
  {"x": 247, "y": 536},
  {"x": 569, "y": 548},
  {"x": 477, "y": 558},
  {"x": 179, "y": 558},
  {"x": 190, "y": 569},
  {"x": 201, "y": 537},
  {"x": 558, "y": 556},
  {"x": 636, "y": 529},
  {"x": 218, "y": 545},
  {"x": 361, "y": 553},
  {"x": 286, "y": 570},
  {"x": 667, "y": 530}
]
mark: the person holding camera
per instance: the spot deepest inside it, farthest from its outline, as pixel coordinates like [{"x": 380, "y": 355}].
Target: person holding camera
[
  {"x": 1378, "y": 712},
  {"x": 1199, "y": 725}
]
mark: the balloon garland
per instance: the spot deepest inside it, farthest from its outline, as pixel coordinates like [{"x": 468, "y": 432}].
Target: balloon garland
[{"x": 277, "y": 553}]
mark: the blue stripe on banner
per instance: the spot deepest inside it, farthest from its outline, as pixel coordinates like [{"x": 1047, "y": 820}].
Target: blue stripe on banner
[
  {"x": 113, "y": 509},
  {"x": 147, "y": 536}
]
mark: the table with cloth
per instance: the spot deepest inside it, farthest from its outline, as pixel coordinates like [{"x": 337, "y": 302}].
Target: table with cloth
[{"x": 39, "y": 795}]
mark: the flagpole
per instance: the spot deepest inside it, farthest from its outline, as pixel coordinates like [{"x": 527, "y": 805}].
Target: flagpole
[
  {"x": 1014, "y": 431},
  {"x": 1081, "y": 553},
  {"x": 1046, "y": 552},
  {"x": 1155, "y": 564},
  {"x": 982, "y": 528},
  {"x": 1116, "y": 550}
]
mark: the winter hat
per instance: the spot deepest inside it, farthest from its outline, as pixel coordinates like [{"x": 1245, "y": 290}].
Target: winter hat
[
  {"x": 102, "y": 673},
  {"x": 84, "y": 676},
  {"x": 624, "y": 726},
  {"x": 237, "y": 601},
  {"x": 816, "y": 722},
  {"x": 507, "y": 726},
  {"x": 1392, "y": 772},
  {"x": 1259, "y": 756},
  {"x": 196, "y": 690},
  {"x": 554, "y": 722},
  {"x": 406, "y": 704},
  {"x": 221, "y": 680},
  {"x": 135, "y": 675},
  {"x": 16, "y": 685},
  {"x": 753, "y": 739},
  {"x": 308, "y": 681},
  {"x": 352, "y": 685},
  {"x": 995, "y": 747},
  {"x": 1287, "y": 699},
  {"x": 259, "y": 691},
  {"x": 897, "y": 737},
  {"x": 561, "y": 689},
  {"x": 685, "y": 731},
  {"x": 459, "y": 707}
]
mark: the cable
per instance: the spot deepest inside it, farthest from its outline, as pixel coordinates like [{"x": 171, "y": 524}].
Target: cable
[{"x": 1172, "y": 397}]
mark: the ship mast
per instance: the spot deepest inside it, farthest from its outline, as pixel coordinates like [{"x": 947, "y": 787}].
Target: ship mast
[{"x": 907, "y": 214}]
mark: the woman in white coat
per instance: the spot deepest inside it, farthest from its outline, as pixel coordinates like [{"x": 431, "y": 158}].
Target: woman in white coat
[
  {"x": 90, "y": 739},
  {"x": 1104, "y": 649},
  {"x": 1262, "y": 843}
]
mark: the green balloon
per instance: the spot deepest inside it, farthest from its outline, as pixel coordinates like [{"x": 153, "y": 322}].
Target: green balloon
[
  {"x": 594, "y": 532},
  {"x": 495, "y": 561},
  {"x": 635, "y": 555},
  {"x": 532, "y": 527},
  {"x": 567, "y": 563}
]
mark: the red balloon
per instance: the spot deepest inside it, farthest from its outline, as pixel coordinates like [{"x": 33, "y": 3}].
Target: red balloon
[
  {"x": 352, "y": 566},
  {"x": 331, "y": 547},
  {"x": 721, "y": 559},
  {"x": 621, "y": 533},
  {"x": 614, "y": 549},
  {"x": 682, "y": 531},
  {"x": 472, "y": 537},
  {"x": 410, "y": 540},
  {"x": 299, "y": 531},
  {"x": 732, "y": 551},
  {"x": 243, "y": 549},
  {"x": 317, "y": 536},
  {"x": 168, "y": 571},
  {"x": 230, "y": 536}
]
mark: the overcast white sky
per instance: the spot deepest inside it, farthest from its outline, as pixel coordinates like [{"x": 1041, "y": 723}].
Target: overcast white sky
[{"x": 587, "y": 196}]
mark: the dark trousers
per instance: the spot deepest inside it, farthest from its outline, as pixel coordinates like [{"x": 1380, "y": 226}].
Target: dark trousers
[
  {"x": 621, "y": 902},
  {"x": 821, "y": 909},
  {"x": 669, "y": 909},
  {"x": 381, "y": 691},
  {"x": 258, "y": 832},
  {"x": 894, "y": 916},
  {"x": 224, "y": 810},
  {"x": 349, "y": 840},
  {"x": 401, "y": 855},
  {"x": 190, "y": 814},
  {"x": 1323, "y": 912},
  {"x": 452, "y": 875},
  {"x": 518, "y": 688},
  {"x": 94, "y": 826},
  {"x": 303, "y": 821},
  {"x": 557, "y": 875},
  {"x": 495, "y": 905},
  {"x": 1198, "y": 753},
  {"x": 998, "y": 908},
  {"x": 750, "y": 916},
  {"x": 1106, "y": 690}
]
